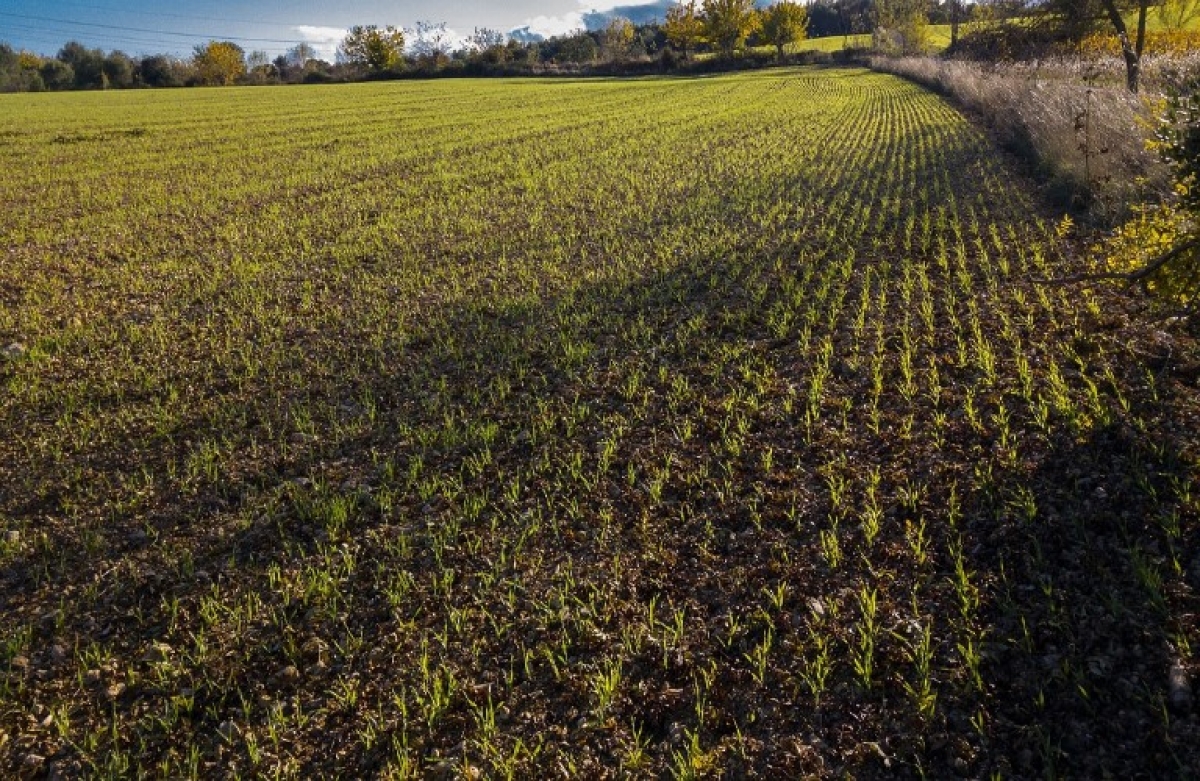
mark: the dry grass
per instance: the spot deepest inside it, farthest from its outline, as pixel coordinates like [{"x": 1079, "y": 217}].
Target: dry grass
[{"x": 1071, "y": 116}]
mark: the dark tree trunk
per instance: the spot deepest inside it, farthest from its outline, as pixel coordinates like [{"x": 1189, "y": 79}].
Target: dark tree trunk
[
  {"x": 1141, "y": 39},
  {"x": 1131, "y": 51}
]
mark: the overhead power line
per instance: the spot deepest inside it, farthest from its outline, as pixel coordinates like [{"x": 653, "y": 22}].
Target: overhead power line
[
  {"x": 50, "y": 35},
  {"x": 120, "y": 28},
  {"x": 167, "y": 14}
]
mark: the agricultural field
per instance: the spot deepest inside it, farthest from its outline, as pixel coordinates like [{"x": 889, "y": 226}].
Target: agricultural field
[{"x": 527, "y": 429}]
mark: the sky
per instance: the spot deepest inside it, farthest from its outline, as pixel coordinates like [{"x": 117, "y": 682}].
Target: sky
[{"x": 140, "y": 27}]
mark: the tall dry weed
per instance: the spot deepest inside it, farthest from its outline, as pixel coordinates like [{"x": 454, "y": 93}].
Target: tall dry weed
[{"x": 1085, "y": 132}]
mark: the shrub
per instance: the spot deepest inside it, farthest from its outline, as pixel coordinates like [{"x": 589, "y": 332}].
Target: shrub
[{"x": 1160, "y": 247}]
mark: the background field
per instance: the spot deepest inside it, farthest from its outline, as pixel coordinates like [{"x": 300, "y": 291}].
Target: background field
[
  {"x": 939, "y": 36},
  {"x": 575, "y": 428}
]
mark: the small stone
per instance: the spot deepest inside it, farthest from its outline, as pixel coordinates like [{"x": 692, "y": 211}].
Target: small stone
[
  {"x": 12, "y": 537},
  {"x": 91, "y": 677},
  {"x": 1101, "y": 493},
  {"x": 114, "y": 691},
  {"x": 289, "y": 674},
  {"x": 314, "y": 647},
  {"x": 1179, "y": 688},
  {"x": 32, "y": 762},
  {"x": 158, "y": 652},
  {"x": 19, "y": 663},
  {"x": 14, "y": 350}
]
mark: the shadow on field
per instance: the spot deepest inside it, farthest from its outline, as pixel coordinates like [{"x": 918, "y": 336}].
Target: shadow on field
[{"x": 1089, "y": 610}]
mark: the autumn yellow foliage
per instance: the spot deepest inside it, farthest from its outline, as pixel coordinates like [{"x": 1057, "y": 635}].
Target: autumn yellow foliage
[{"x": 1158, "y": 42}]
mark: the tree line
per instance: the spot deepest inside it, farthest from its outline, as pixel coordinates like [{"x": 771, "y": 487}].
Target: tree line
[
  {"x": 728, "y": 29},
  {"x": 724, "y": 27}
]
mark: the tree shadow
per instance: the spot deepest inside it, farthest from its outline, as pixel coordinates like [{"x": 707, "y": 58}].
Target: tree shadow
[{"x": 1092, "y": 554}]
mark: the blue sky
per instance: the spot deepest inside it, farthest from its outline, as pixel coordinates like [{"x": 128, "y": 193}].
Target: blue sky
[{"x": 152, "y": 26}]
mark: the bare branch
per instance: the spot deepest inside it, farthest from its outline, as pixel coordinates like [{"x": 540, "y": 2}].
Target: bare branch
[{"x": 1131, "y": 277}]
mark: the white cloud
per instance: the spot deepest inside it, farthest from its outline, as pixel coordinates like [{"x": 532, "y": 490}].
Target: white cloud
[
  {"x": 324, "y": 39},
  {"x": 562, "y": 24},
  {"x": 592, "y": 15},
  {"x": 549, "y": 26},
  {"x": 457, "y": 41}
]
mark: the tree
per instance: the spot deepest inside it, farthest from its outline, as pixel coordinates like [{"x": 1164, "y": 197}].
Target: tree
[
  {"x": 299, "y": 55},
  {"x": 1131, "y": 51},
  {"x": 854, "y": 16},
  {"x": 10, "y": 69},
  {"x": 684, "y": 26},
  {"x": 373, "y": 48},
  {"x": 728, "y": 23},
  {"x": 1074, "y": 19},
  {"x": 783, "y": 23},
  {"x": 1179, "y": 14},
  {"x": 57, "y": 75},
  {"x": 219, "y": 63},
  {"x": 118, "y": 70},
  {"x": 292, "y": 64},
  {"x": 901, "y": 25},
  {"x": 432, "y": 43},
  {"x": 838, "y": 17},
  {"x": 580, "y": 47},
  {"x": 158, "y": 70},
  {"x": 20, "y": 71},
  {"x": 87, "y": 65},
  {"x": 618, "y": 38},
  {"x": 260, "y": 69},
  {"x": 489, "y": 45},
  {"x": 485, "y": 38},
  {"x": 521, "y": 52}
]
